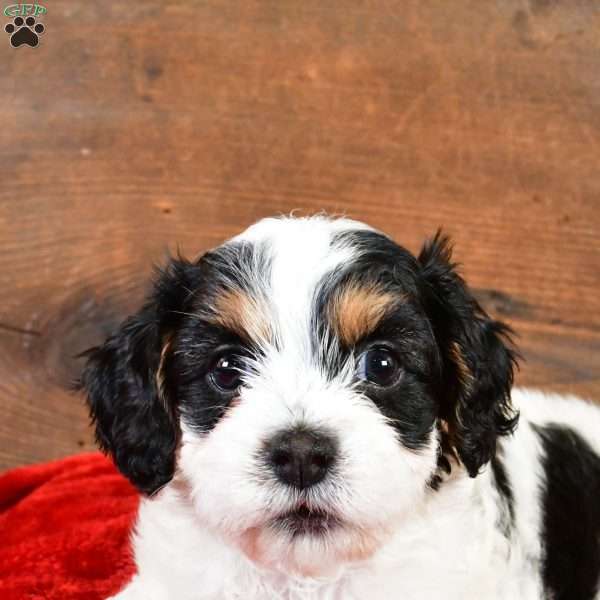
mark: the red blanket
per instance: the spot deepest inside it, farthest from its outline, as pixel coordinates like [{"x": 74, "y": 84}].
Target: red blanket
[{"x": 64, "y": 530}]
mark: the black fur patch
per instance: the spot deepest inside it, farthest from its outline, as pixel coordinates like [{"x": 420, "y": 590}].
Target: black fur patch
[
  {"x": 198, "y": 341},
  {"x": 411, "y": 403},
  {"x": 571, "y": 515},
  {"x": 504, "y": 488}
]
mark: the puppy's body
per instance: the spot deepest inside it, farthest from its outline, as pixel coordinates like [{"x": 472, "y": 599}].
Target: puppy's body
[{"x": 319, "y": 414}]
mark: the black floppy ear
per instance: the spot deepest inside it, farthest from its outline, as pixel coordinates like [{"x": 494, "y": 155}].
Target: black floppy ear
[
  {"x": 134, "y": 423},
  {"x": 478, "y": 362}
]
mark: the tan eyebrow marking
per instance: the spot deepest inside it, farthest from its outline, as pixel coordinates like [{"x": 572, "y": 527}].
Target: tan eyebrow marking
[
  {"x": 356, "y": 310},
  {"x": 244, "y": 314}
]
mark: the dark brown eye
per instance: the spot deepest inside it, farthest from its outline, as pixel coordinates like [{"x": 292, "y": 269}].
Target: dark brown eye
[
  {"x": 379, "y": 366},
  {"x": 226, "y": 373}
]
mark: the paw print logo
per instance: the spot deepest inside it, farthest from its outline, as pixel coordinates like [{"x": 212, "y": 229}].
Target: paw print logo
[{"x": 24, "y": 31}]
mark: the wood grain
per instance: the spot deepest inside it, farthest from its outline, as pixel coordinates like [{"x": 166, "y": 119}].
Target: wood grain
[{"x": 135, "y": 128}]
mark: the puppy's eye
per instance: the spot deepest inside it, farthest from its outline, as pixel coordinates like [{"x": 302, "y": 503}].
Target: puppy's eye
[
  {"x": 226, "y": 373},
  {"x": 379, "y": 366}
]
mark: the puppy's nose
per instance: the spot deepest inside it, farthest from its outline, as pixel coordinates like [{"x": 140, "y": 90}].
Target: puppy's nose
[{"x": 301, "y": 458}]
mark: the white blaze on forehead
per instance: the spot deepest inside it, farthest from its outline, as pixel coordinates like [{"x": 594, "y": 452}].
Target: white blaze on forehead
[{"x": 301, "y": 254}]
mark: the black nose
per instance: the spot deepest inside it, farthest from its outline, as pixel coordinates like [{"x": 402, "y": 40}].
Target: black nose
[{"x": 300, "y": 457}]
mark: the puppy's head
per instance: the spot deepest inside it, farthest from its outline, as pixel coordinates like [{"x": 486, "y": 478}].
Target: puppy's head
[{"x": 308, "y": 380}]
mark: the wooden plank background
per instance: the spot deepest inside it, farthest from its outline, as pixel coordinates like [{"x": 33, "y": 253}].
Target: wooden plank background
[{"x": 135, "y": 127}]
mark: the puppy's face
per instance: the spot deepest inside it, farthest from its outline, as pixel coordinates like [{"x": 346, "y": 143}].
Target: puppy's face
[{"x": 307, "y": 380}]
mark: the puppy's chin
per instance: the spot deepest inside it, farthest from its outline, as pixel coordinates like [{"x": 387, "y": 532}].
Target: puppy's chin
[{"x": 319, "y": 555}]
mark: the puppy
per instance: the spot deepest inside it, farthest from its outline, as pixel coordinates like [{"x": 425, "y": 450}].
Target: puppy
[{"x": 313, "y": 412}]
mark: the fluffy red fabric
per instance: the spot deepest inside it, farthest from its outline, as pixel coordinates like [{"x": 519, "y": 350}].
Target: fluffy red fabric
[{"x": 64, "y": 530}]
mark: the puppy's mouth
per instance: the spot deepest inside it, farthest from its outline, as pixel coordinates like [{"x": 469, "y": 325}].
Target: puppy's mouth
[{"x": 303, "y": 520}]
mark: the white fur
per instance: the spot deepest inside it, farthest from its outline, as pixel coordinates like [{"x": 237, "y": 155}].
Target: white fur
[{"x": 206, "y": 534}]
